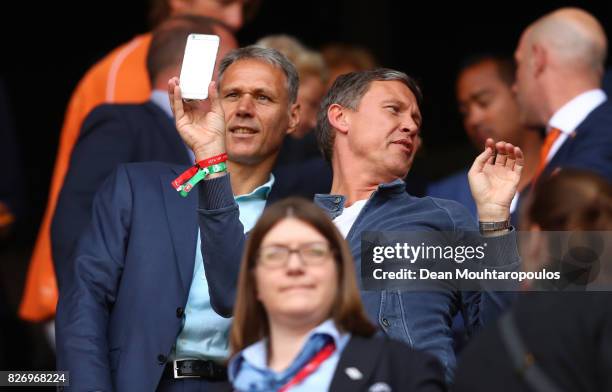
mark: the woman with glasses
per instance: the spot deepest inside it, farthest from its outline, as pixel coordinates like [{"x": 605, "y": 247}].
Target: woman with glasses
[{"x": 299, "y": 324}]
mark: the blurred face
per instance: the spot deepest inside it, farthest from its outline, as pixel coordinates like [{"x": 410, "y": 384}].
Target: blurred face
[
  {"x": 227, "y": 44},
  {"x": 229, "y": 12},
  {"x": 295, "y": 291},
  {"x": 310, "y": 93},
  {"x": 487, "y": 105},
  {"x": 525, "y": 87},
  {"x": 339, "y": 70},
  {"x": 384, "y": 128},
  {"x": 258, "y": 114}
]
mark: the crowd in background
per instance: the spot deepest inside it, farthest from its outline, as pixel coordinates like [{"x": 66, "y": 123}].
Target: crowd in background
[{"x": 540, "y": 122}]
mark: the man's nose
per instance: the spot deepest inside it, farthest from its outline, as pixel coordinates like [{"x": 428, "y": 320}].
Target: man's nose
[
  {"x": 410, "y": 126},
  {"x": 246, "y": 106},
  {"x": 473, "y": 118}
]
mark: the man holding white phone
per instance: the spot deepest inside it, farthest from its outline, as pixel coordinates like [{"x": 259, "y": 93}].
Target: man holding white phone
[{"x": 135, "y": 312}]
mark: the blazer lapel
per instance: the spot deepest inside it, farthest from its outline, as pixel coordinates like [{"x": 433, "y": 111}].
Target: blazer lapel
[
  {"x": 356, "y": 364},
  {"x": 183, "y": 226}
]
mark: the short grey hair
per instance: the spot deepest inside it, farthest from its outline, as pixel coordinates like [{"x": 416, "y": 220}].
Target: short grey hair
[
  {"x": 270, "y": 56},
  {"x": 347, "y": 91}
]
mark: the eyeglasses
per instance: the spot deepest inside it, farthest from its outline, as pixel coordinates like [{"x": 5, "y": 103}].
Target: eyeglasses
[{"x": 277, "y": 256}]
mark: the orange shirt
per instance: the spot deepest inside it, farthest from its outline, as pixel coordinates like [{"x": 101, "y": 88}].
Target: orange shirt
[{"x": 120, "y": 77}]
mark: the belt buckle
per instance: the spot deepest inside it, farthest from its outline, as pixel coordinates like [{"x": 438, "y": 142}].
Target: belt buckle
[{"x": 175, "y": 370}]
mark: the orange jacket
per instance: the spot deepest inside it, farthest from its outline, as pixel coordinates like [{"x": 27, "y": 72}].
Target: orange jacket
[{"x": 120, "y": 77}]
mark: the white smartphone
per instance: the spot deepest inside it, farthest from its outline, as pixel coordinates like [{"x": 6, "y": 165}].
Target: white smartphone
[{"x": 198, "y": 65}]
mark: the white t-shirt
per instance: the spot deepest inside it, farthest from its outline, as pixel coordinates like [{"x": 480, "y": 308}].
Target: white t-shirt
[{"x": 345, "y": 221}]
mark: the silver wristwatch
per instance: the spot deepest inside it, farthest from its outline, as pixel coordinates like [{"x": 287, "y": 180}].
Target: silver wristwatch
[{"x": 487, "y": 227}]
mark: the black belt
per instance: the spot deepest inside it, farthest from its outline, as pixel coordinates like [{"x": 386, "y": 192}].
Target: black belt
[{"x": 195, "y": 368}]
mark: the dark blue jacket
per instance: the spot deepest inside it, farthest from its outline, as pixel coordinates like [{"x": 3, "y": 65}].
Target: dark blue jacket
[
  {"x": 111, "y": 135},
  {"x": 421, "y": 319},
  {"x": 120, "y": 303},
  {"x": 589, "y": 147}
]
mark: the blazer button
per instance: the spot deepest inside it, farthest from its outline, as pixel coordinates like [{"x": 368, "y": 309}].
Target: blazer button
[
  {"x": 161, "y": 359},
  {"x": 180, "y": 312},
  {"x": 386, "y": 323}
]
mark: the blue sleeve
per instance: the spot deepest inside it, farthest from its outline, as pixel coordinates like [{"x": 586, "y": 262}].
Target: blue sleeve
[
  {"x": 90, "y": 290},
  {"x": 485, "y": 305},
  {"x": 223, "y": 241},
  {"x": 105, "y": 142}
]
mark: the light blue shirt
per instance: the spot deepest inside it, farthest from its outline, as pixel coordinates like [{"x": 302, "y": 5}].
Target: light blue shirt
[
  {"x": 250, "y": 366},
  {"x": 205, "y": 334}
]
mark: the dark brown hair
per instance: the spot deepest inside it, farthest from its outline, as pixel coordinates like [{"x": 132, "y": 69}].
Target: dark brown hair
[
  {"x": 571, "y": 200},
  {"x": 250, "y": 319},
  {"x": 169, "y": 39}
]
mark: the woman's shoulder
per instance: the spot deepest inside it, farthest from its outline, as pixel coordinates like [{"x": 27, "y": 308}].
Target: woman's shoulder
[{"x": 380, "y": 360}]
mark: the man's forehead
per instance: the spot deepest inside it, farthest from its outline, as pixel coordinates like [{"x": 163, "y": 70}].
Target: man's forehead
[
  {"x": 383, "y": 90},
  {"x": 480, "y": 75},
  {"x": 253, "y": 72}
]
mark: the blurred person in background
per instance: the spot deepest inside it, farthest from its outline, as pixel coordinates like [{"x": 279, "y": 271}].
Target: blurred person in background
[
  {"x": 342, "y": 58},
  {"x": 560, "y": 65},
  {"x": 489, "y": 109},
  {"x": 119, "y": 77},
  {"x": 299, "y": 323},
  {"x": 301, "y": 144},
  {"x": 558, "y": 340}
]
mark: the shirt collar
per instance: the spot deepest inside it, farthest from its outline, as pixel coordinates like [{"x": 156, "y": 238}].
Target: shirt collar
[
  {"x": 160, "y": 98},
  {"x": 261, "y": 192},
  {"x": 570, "y": 115},
  {"x": 256, "y": 354},
  {"x": 335, "y": 203}
]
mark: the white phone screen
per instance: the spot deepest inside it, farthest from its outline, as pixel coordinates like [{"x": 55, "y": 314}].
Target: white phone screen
[{"x": 198, "y": 65}]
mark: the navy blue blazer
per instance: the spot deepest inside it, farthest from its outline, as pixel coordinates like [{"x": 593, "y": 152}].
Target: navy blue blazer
[
  {"x": 111, "y": 135},
  {"x": 589, "y": 147},
  {"x": 120, "y": 304}
]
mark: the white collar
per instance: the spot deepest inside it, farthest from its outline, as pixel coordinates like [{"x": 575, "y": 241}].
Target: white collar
[{"x": 570, "y": 115}]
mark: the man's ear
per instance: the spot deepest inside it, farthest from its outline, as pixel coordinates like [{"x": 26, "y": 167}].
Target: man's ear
[
  {"x": 294, "y": 118},
  {"x": 540, "y": 58},
  {"x": 338, "y": 117}
]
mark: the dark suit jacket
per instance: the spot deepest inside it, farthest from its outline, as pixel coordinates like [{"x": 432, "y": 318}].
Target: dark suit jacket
[
  {"x": 111, "y": 135},
  {"x": 383, "y": 361},
  {"x": 590, "y": 146},
  {"x": 568, "y": 333},
  {"x": 120, "y": 303}
]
